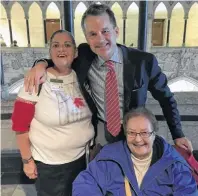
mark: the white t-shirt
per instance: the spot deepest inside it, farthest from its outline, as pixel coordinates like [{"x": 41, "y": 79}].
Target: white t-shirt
[{"x": 61, "y": 126}]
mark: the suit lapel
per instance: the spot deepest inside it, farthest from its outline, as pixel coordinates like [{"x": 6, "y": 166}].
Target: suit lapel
[
  {"x": 128, "y": 76},
  {"x": 84, "y": 63}
]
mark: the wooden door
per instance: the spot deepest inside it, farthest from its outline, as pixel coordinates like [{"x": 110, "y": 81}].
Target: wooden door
[
  {"x": 157, "y": 32},
  {"x": 52, "y": 25}
]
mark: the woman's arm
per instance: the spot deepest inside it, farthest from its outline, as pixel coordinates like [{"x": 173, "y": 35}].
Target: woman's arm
[
  {"x": 21, "y": 118},
  {"x": 23, "y": 142}
]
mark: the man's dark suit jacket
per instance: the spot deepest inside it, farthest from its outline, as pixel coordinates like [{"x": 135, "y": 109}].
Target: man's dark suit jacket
[{"x": 141, "y": 73}]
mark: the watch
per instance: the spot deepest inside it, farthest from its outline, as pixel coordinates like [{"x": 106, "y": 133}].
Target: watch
[{"x": 26, "y": 161}]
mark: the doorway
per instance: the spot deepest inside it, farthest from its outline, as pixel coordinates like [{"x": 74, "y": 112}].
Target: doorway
[
  {"x": 52, "y": 25},
  {"x": 158, "y": 32}
]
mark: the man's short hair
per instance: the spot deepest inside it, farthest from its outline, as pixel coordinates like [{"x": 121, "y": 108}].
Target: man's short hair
[
  {"x": 144, "y": 112},
  {"x": 98, "y": 10}
]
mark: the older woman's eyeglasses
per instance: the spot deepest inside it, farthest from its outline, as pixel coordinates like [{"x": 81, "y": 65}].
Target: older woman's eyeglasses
[{"x": 142, "y": 134}]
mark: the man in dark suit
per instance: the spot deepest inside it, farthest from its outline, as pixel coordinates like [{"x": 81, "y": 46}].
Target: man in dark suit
[{"x": 136, "y": 72}]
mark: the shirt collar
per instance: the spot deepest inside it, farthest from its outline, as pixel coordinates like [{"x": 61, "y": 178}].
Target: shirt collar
[{"x": 115, "y": 58}]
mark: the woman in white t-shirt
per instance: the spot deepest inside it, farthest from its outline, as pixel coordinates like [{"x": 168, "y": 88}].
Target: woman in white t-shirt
[{"x": 53, "y": 128}]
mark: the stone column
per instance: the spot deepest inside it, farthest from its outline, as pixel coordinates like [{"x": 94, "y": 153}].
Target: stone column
[
  {"x": 45, "y": 30},
  {"x": 184, "y": 34},
  {"x": 10, "y": 29},
  {"x": 168, "y": 32},
  {"x": 68, "y": 16},
  {"x": 61, "y": 22},
  {"x": 149, "y": 32},
  {"x": 28, "y": 31},
  {"x": 124, "y": 28},
  {"x": 142, "y": 29}
]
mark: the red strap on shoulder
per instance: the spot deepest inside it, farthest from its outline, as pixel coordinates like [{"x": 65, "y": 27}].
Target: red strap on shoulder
[{"x": 22, "y": 115}]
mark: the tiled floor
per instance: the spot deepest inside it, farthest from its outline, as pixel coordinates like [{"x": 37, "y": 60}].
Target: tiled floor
[{"x": 18, "y": 190}]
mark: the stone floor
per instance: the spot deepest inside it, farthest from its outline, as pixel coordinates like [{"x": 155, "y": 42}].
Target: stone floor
[{"x": 18, "y": 190}]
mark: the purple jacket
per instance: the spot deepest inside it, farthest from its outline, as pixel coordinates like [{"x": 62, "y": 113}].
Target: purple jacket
[{"x": 170, "y": 175}]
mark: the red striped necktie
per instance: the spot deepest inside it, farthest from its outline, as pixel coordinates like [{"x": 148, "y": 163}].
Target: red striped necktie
[{"x": 112, "y": 100}]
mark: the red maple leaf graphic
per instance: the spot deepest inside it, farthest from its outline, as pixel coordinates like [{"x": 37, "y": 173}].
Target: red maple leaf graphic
[{"x": 78, "y": 102}]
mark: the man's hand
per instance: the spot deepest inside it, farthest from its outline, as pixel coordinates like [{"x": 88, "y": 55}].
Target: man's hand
[
  {"x": 30, "y": 170},
  {"x": 184, "y": 143},
  {"x": 35, "y": 76}
]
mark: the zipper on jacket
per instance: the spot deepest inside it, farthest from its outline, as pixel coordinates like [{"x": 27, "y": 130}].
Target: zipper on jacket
[{"x": 130, "y": 185}]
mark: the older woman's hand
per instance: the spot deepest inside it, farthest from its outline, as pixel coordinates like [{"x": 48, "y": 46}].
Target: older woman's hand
[{"x": 30, "y": 169}]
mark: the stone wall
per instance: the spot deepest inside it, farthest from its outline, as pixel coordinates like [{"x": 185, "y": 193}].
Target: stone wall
[
  {"x": 16, "y": 61},
  {"x": 175, "y": 63},
  {"x": 178, "y": 62}
]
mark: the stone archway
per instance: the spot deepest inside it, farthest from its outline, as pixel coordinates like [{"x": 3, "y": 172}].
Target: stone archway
[
  {"x": 14, "y": 88},
  {"x": 183, "y": 84}
]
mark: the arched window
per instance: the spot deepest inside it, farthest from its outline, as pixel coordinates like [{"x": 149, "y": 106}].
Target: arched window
[
  {"x": 159, "y": 27},
  {"x": 118, "y": 15},
  {"x": 79, "y": 35},
  {"x": 183, "y": 85},
  {"x": 132, "y": 25},
  {"x": 52, "y": 11},
  {"x": 4, "y": 30},
  {"x": 52, "y": 20},
  {"x": 192, "y": 26},
  {"x": 36, "y": 26},
  {"x": 19, "y": 29},
  {"x": 177, "y": 26}
]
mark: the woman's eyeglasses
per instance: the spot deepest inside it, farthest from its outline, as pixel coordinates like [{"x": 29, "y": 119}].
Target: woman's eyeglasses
[{"x": 142, "y": 134}]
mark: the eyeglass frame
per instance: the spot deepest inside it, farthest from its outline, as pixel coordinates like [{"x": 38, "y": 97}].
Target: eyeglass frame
[{"x": 140, "y": 134}]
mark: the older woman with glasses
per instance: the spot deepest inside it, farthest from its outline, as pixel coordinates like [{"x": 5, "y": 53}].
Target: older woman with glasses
[{"x": 144, "y": 164}]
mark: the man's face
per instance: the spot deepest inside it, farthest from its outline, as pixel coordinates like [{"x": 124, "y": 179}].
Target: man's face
[
  {"x": 140, "y": 147},
  {"x": 101, "y": 35}
]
